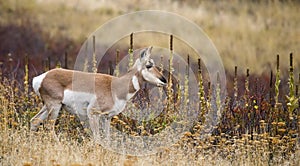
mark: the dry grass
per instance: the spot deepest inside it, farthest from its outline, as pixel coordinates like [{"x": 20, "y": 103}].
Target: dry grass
[
  {"x": 24, "y": 148},
  {"x": 253, "y": 130},
  {"x": 231, "y": 143},
  {"x": 20, "y": 147}
]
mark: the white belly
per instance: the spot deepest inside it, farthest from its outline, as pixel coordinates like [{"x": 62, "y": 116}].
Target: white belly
[
  {"x": 77, "y": 102},
  {"x": 80, "y": 103},
  {"x": 118, "y": 107}
]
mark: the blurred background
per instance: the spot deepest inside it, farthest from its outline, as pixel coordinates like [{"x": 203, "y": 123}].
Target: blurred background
[{"x": 246, "y": 34}]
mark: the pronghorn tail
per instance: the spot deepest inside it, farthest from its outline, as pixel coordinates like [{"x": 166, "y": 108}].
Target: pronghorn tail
[{"x": 37, "y": 82}]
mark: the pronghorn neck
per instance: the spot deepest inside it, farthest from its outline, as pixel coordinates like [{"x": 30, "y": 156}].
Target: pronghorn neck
[
  {"x": 126, "y": 86},
  {"x": 136, "y": 82}
]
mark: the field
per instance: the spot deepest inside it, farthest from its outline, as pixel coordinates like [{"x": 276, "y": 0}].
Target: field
[{"x": 259, "y": 46}]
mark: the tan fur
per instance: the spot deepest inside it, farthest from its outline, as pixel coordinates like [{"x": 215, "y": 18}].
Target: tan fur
[{"x": 58, "y": 80}]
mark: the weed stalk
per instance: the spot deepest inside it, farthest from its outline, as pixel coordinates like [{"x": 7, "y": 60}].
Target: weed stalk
[
  {"x": 201, "y": 94},
  {"x": 292, "y": 103},
  {"x": 170, "y": 84},
  {"x": 66, "y": 59},
  {"x": 277, "y": 82},
  {"x": 235, "y": 85},
  {"x": 58, "y": 64},
  {"x": 86, "y": 62},
  {"x": 130, "y": 52},
  {"x": 1, "y": 72},
  {"x": 218, "y": 96},
  {"x": 117, "y": 70},
  {"x": 246, "y": 100},
  {"x": 186, "y": 84},
  {"x": 94, "y": 61},
  {"x": 26, "y": 78}
]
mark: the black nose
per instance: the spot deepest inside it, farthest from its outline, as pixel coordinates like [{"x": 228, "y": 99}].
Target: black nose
[{"x": 162, "y": 79}]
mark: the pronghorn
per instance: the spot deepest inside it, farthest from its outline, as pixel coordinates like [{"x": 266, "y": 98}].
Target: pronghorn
[{"x": 108, "y": 96}]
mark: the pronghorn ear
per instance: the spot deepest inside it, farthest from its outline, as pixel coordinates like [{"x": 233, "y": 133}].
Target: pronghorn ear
[
  {"x": 149, "y": 49},
  {"x": 145, "y": 53}
]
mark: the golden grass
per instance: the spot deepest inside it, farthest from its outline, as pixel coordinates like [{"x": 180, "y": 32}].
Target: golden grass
[
  {"x": 246, "y": 34},
  {"x": 73, "y": 146},
  {"x": 20, "y": 147}
]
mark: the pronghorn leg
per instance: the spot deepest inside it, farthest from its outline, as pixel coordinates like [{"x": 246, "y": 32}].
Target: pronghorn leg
[
  {"x": 84, "y": 121},
  {"x": 38, "y": 118},
  {"x": 54, "y": 109},
  {"x": 94, "y": 125},
  {"x": 93, "y": 120},
  {"x": 106, "y": 127},
  {"x": 82, "y": 117}
]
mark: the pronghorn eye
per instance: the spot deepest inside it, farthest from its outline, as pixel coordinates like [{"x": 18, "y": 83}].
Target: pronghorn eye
[{"x": 148, "y": 66}]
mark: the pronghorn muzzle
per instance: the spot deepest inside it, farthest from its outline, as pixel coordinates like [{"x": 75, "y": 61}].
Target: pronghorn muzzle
[{"x": 163, "y": 80}]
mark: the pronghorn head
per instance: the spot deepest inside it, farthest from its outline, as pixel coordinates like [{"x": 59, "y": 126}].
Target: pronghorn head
[{"x": 145, "y": 65}]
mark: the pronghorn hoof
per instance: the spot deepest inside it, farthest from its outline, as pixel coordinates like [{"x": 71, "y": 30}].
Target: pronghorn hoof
[
  {"x": 33, "y": 128},
  {"x": 100, "y": 113},
  {"x": 34, "y": 124}
]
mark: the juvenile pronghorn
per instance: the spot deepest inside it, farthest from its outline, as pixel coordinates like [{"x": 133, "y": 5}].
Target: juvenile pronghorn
[{"x": 108, "y": 96}]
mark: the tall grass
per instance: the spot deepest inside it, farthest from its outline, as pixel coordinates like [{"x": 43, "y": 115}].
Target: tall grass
[{"x": 255, "y": 132}]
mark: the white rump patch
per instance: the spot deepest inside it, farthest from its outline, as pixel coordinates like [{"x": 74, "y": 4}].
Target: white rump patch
[{"x": 37, "y": 82}]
